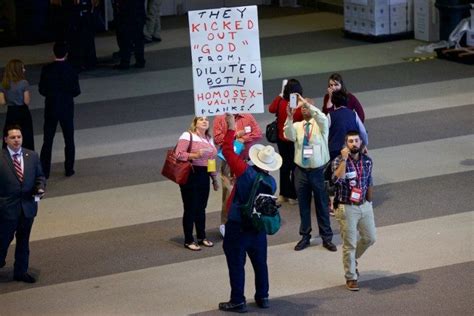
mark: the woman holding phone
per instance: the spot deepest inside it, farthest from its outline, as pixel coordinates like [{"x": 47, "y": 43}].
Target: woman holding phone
[
  {"x": 335, "y": 83},
  {"x": 285, "y": 147}
]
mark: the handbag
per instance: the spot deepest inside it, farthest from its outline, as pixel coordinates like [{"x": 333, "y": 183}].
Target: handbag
[
  {"x": 271, "y": 131},
  {"x": 177, "y": 170},
  {"x": 262, "y": 211}
]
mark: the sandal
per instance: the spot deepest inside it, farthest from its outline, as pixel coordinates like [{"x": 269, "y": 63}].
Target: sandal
[
  {"x": 206, "y": 243},
  {"x": 192, "y": 246}
]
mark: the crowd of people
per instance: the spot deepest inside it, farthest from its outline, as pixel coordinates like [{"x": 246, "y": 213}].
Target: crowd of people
[
  {"x": 322, "y": 155},
  {"x": 136, "y": 23}
]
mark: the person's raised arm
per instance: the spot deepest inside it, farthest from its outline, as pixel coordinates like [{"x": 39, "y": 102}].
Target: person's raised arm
[{"x": 236, "y": 164}]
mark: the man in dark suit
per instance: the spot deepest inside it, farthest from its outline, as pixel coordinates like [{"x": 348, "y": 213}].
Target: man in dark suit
[
  {"x": 59, "y": 83},
  {"x": 22, "y": 184}
]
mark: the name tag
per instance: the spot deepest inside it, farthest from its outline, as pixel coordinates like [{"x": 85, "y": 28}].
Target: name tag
[
  {"x": 351, "y": 175},
  {"x": 211, "y": 165},
  {"x": 247, "y": 129},
  {"x": 308, "y": 151},
  {"x": 356, "y": 195}
]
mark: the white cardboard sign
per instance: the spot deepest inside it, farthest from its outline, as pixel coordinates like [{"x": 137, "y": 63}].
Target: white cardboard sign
[{"x": 225, "y": 49}]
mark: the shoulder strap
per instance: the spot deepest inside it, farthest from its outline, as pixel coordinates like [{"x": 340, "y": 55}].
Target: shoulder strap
[
  {"x": 190, "y": 142},
  {"x": 253, "y": 192}
]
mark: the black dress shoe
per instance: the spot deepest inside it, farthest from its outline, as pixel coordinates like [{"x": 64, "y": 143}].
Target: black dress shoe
[
  {"x": 122, "y": 66},
  {"x": 139, "y": 65},
  {"x": 147, "y": 41},
  {"x": 303, "y": 243},
  {"x": 329, "y": 246},
  {"x": 262, "y": 302},
  {"x": 24, "y": 278},
  {"x": 70, "y": 173},
  {"x": 156, "y": 39},
  {"x": 233, "y": 307},
  {"x": 2, "y": 264}
]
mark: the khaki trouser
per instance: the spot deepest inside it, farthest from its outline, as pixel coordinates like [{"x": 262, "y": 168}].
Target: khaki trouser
[
  {"x": 353, "y": 219},
  {"x": 153, "y": 21}
]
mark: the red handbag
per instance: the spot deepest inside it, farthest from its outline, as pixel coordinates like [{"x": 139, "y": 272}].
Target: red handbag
[{"x": 177, "y": 170}]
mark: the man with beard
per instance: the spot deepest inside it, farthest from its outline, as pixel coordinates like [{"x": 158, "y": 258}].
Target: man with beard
[{"x": 352, "y": 175}]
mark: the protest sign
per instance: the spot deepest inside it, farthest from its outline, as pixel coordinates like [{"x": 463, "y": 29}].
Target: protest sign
[{"x": 225, "y": 49}]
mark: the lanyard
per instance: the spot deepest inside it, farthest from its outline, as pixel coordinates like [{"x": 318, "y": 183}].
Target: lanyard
[
  {"x": 308, "y": 137},
  {"x": 358, "y": 172}
]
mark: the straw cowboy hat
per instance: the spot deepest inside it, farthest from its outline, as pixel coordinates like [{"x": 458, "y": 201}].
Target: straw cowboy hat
[{"x": 265, "y": 157}]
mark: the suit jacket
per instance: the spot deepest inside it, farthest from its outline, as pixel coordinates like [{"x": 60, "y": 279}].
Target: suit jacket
[
  {"x": 16, "y": 196},
  {"x": 59, "y": 83}
]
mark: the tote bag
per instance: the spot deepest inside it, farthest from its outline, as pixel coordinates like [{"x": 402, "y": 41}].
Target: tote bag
[{"x": 177, "y": 170}]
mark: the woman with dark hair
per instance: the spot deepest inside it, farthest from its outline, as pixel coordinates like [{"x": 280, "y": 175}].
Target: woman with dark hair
[
  {"x": 195, "y": 193},
  {"x": 15, "y": 93},
  {"x": 286, "y": 148},
  {"x": 335, "y": 83}
]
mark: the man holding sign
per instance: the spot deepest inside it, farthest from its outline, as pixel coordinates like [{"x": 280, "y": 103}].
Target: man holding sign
[{"x": 248, "y": 133}]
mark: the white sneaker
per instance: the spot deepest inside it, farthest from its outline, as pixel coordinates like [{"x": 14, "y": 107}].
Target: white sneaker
[
  {"x": 222, "y": 229},
  {"x": 292, "y": 201}
]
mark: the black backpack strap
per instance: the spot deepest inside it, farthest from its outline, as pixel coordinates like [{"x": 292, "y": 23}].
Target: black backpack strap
[{"x": 249, "y": 205}]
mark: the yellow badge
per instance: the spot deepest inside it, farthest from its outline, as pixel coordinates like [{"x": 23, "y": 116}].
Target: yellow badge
[{"x": 211, "y": 165}]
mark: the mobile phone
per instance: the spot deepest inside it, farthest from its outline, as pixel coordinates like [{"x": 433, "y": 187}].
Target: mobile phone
[{"x": 293, "y": 100}]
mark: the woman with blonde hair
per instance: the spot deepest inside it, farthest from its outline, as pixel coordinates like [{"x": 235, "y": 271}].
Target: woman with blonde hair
[
  {"x": 195, "y": 193},
  {"x": 15, "y": 93}
]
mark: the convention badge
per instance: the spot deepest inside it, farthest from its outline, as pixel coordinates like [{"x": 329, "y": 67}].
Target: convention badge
[
  {"x": 211, "y": 165},
  {"x": 308, "y": 151},
  {"x": 351, "y": 175},
  {"x": 356, "y": 195},
  {"x": 247, "y": 129}
]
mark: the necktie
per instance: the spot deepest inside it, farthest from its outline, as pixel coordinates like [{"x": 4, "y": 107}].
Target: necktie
[
  {"x": 307, "y": 127},
  {"x": 17, "y": 165}
]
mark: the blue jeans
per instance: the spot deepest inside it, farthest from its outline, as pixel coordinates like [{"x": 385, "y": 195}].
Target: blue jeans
[
  {"x": 309, "y": 183},
  {"x": 237, "y": 244}
]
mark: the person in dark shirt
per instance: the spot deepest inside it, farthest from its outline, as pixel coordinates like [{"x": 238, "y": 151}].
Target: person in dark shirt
[
  {"x": 241, "y": 240},
  {"x": 59, "y": 84},
  {"x": 352, "y": 175}
]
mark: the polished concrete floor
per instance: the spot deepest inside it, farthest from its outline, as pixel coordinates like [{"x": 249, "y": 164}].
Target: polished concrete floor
[{"x": 109, "y": 241}]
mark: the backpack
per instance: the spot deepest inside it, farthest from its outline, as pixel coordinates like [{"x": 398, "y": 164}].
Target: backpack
[{"x": 261, "y": 211}]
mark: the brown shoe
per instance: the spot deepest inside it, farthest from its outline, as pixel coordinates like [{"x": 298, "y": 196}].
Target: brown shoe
[{"x": 352, "y": 285}]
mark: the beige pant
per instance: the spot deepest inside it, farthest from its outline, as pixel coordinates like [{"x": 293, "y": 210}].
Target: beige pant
[
  {"x": 153, "y": 20},
  {"x": 354, "y": 219}
]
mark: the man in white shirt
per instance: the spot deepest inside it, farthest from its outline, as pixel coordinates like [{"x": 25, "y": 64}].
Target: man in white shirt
[{"x": 311, "y": 156}]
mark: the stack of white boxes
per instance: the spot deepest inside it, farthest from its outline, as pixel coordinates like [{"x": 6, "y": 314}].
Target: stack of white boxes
[
  {"x": 426, "y": 20},
  {"x": 378, "y": 17}
]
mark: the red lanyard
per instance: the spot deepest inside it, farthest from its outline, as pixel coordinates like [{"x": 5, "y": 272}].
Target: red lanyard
[
  {"x": 308, "y": 137},
  {"x": 358, "y": 172}
]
